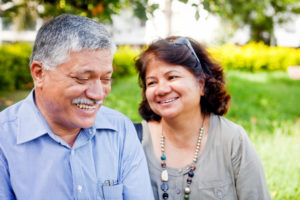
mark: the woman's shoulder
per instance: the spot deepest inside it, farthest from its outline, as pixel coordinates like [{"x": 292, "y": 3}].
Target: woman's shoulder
[{"x": 228, "y": 131}]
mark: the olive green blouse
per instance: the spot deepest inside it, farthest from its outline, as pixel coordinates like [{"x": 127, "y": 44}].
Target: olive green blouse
[{"x": 228, "y": 167}]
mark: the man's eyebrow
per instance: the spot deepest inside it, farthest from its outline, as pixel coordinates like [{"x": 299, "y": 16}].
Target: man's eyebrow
[{"x": 89, "y": 71}]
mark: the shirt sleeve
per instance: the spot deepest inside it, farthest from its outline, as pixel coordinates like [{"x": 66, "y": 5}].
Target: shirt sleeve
[
  {"x": 135, "y": 175},
  {"x": 6, "y": 192},
  {"x": 248, "y": 170}
]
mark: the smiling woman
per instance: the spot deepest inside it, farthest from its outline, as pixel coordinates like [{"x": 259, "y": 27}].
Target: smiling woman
[{"x": 192, "y": 151}]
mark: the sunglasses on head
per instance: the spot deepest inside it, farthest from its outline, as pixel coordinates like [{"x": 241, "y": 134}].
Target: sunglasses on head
[{"x": 186, "y": 42}]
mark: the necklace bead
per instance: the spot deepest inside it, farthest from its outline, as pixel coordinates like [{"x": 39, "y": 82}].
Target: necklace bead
[
  {"x": 187, "y": 190},
  {"x": 164, "y": 186},
  {"x": 165, "y": 195},
  {"x": 164, "y": 174},
  {"x": 191, "y": 174}
]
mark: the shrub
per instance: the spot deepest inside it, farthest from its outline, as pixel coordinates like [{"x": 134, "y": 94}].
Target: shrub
[
  {"x": 124, "y": 61},
  {"x": 256, "y": 57},
  {"x": 14, "y": 66}
]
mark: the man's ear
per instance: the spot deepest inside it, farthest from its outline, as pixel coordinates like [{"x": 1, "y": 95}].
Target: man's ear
[{"x": 38, "y": 73}]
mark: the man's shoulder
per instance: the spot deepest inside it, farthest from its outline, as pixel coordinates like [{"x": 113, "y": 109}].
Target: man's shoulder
[
  {"x": 10, "y": 113},
  {"x": 110, "y": 118},
  {"x": 111, "y": 113},
  {"x": 9, "y": 124}
]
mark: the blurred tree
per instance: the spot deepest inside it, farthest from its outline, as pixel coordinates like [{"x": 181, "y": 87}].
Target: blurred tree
[
  {"x": 27, "y": 11},
  {"x": 259, "y": 15}
]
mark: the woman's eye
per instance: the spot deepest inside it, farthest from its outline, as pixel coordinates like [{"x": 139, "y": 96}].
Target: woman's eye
[
  {"x": 172, "y": 77},
  {"x": 150, "y": 83}
]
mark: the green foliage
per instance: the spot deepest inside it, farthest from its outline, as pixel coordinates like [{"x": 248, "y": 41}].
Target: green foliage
[
  {"x": 256, "y": 57},
  {"x": 124, "y": 61},
  {"x": 264, "y": 101},
  {"x": 14, "y": 66},
  {"x": 279, "y": 155},
  {"x": 102, "y": 10},
  {"x": 125, "y": 96},
  {"x": 259, "y": 15}
]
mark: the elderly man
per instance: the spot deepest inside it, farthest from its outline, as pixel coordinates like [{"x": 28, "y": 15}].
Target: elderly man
[{"x": 56, "y": 143}]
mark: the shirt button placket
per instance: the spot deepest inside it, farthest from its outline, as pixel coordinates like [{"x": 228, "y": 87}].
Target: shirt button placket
[{"x": 76, "y": 175}]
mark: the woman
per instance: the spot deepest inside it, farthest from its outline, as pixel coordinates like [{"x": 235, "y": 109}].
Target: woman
[{"x": 193, "y": 152}]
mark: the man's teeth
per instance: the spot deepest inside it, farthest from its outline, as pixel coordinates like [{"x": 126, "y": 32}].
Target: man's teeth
[
  {"x": 85, "y": 106},
  {"x": 169, "y": 100}
]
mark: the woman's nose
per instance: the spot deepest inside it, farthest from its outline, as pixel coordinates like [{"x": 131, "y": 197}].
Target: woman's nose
[{"x": 163, "y": 88}]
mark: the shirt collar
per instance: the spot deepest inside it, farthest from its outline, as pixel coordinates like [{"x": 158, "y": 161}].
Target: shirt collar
[
  {"x": 102, "y": 121},
  {"x": 32, "y": 124}
]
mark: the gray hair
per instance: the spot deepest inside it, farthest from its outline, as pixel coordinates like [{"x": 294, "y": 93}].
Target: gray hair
[{"x": 66, "y": 33}]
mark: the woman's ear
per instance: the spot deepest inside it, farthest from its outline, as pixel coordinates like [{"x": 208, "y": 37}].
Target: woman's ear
[
  {"x": 37, "y": 73},
  {"x": 202, "y": 86}
]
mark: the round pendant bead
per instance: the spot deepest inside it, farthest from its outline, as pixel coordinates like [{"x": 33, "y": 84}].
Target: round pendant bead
[
  {"x": 187, "y": 190},
  {"x": 163, "y": 164},
  {"x": 165, "y": 195},
  {"x": 164, "y": 186},
  {"x": 186, "y": 196},
  {"x": 189, "y": 180},
  {"x": 191, "y": 173},
  {"x": 163, "y": 157},
  {"x": 192, "y": 167}
]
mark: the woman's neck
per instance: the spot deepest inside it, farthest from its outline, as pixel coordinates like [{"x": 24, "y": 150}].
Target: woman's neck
[{"x": 182, "y": 131}]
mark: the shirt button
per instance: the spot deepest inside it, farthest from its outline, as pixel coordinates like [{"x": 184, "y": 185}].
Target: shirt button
[
  {"x": 178, "y": 191},
  {"x": 219, "y": 193},
  {"x": 73, "y": 152},
  {"x": 79, "y": 188}
]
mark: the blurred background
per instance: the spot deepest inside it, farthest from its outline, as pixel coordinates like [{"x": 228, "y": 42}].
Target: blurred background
[{"x": 257, "y": 43}]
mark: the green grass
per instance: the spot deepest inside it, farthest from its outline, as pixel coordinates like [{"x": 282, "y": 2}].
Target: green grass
[
  {"x": 264, "y": 101},
  {"x": 266, "y": 104}
]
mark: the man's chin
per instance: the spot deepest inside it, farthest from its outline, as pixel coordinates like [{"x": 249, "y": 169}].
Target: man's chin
[{"x": 86, "y": 123}]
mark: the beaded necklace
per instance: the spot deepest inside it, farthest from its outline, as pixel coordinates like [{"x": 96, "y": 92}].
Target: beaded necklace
[{"x": 164, "y": 174}]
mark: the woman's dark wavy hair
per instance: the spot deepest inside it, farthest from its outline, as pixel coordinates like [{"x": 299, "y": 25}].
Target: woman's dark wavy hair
[{"x": 215, "y": 100}]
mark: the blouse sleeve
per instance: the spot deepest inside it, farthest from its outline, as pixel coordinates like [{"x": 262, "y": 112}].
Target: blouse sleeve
[{"x": 248, "y": 170}]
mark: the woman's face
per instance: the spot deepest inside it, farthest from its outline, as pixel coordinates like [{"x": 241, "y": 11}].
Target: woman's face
[{"x": 172, "y": 90}]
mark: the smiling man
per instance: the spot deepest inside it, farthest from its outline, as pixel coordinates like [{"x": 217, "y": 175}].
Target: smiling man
[{"x": 60, "y": 142}]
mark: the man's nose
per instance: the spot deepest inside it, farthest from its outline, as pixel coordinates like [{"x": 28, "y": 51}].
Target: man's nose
[{"x": 95, "y": 90}]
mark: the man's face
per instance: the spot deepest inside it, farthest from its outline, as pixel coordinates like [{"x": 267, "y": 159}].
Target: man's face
[{"x": 70, "y": 96}]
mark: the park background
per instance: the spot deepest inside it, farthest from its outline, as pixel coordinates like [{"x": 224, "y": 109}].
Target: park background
[{"x": 256, "y": 42}]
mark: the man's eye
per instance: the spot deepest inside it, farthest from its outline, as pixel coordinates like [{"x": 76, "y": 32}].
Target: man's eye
[
  {"x": 106, "y": 80},
  {"x": 81, "y": 79}
]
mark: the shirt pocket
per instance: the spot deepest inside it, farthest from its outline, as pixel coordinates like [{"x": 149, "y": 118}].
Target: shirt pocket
[
  {"x": 112, "y": 192},
  {"x": 217, "y": 190}
]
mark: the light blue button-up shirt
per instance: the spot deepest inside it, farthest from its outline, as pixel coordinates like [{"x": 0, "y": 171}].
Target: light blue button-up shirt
[{"x": 105, "y": 162}]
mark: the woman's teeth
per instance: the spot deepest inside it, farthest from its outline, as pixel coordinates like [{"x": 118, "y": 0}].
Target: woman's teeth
[{"x": 169, "y": 100}]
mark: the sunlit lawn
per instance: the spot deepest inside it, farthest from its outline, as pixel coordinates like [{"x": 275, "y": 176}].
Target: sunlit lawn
[{"x": 266, "y": 104}]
